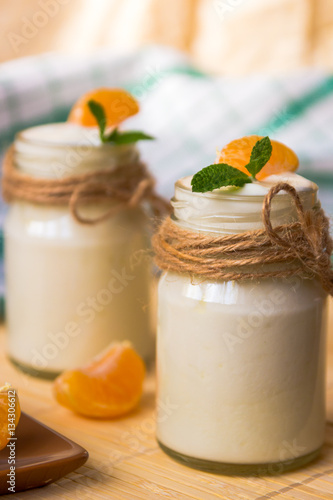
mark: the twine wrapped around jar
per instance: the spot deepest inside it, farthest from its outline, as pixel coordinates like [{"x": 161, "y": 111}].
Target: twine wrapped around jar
[
  {"x": 127, "y": 186},
  {"x": 300, "y": 248}
]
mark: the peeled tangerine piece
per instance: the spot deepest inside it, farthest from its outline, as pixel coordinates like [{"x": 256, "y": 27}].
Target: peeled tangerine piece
[
  {"x": 237, "y": 154},
  {"x": 10, "y": 413},
  {"x": 109, "y": 386},
  {"x": 117, "y": 103}
]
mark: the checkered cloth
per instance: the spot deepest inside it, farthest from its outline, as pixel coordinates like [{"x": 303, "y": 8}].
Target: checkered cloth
[{"x": 189, "y": 112}]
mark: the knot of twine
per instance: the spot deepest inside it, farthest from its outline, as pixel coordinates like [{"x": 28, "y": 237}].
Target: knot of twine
[
  {"x": 126, "y": 186},
  {"x": 300, "y": 248}
]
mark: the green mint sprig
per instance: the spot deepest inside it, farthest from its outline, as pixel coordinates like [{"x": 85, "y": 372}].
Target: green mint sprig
[
  {"x": 115, "y": 137},
  {"x": 221, "y": 174}
]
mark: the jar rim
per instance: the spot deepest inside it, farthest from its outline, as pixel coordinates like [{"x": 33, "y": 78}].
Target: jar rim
[
  {"x": 234, "y": 210},
  {"x": 236, "y": 193},
  {"x": 82, "y": 136},
  {"x": 39, "y": 156}
]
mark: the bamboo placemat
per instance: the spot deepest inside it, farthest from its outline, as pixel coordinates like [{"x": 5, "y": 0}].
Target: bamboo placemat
[{"x": 126, "y": 463}]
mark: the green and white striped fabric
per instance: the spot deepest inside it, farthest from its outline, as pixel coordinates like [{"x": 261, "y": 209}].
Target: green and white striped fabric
[{"x": 190, "y": 113}]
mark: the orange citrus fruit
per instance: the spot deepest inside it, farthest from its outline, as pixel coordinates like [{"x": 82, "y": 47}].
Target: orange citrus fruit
[
  {"x": 109, "y": 386},
  {"x": 117, "y": 103},
  {"x": 237, "y": 154},
  {"x": 10, "y": 412}
]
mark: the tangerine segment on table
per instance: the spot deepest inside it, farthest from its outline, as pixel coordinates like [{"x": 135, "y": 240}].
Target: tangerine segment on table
[
  {"x": 117, "y": 103},
  {"x": 237, "y": 154},
  {"x": 9, "y": 419},
  {"x": 110, "y": 386}
]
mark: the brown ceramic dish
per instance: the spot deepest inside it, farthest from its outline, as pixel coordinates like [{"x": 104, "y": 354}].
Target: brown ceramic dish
[{"x": 42, "y": 456}]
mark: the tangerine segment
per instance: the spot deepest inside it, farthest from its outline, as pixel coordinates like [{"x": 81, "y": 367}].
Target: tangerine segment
[
  {"x": 117, "y": 103},
  {"x": 10, "y": 413},
  {"x": 110, "y": 386},
  {"x": 237, "y": 154}
]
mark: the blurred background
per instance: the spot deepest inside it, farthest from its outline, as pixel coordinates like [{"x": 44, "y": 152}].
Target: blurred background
[
  {"x": 204, "y": 72},
  {"x": 229, "y": 37}
]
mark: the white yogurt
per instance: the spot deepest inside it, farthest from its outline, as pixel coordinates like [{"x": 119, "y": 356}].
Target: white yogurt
[
  {"x": 241, "y": 365},
  {"x": 232, "y": 209}
]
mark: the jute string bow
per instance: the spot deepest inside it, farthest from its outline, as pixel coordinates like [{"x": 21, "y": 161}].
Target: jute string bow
[
  {"x": 126, "y": 186},
  {"x": 301, "y": 248}
]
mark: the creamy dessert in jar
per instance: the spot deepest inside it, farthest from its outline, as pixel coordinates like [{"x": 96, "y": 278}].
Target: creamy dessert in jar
[
  {"x": 241, "y": 362},
  {"x": 72, "y": 287}
]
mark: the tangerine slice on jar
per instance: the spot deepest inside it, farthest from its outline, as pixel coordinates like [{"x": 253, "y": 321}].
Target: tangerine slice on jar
[
  {"x": 109, "y": 386},
  {"x": 10, "y": 413},
  {"x": 237, "y": 154},
  {"x": 117, "y": 103}
]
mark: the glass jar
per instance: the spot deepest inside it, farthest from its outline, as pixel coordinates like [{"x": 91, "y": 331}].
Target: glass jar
[
  {"x": 73, "y": 288},
  {"x": 241, "y": 364}
]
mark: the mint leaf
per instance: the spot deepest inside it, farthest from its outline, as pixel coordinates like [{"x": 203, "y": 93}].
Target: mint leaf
[
  {"x": 98, "y": 111},
  {"x": 221, "y": 174},
  {"x": 260, "y": 154},
  {"x": 128, "y": 137},
  {"x": 115, "y": 136},
  {"x": 218, "y": 175}
]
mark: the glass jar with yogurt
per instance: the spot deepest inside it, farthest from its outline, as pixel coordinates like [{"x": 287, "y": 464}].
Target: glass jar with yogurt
[
  {"x": 74, "y": 288},
  {"x": 241, "y": 364}
]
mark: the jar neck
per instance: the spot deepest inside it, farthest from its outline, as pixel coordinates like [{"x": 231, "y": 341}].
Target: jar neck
[
  {"x": 236, "y": 210},
  {"x": 48, "y": 152}
]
